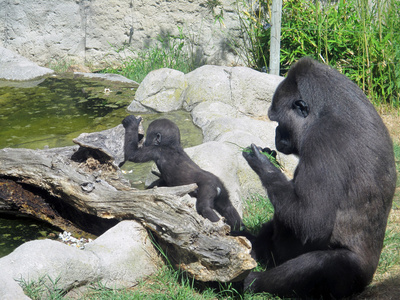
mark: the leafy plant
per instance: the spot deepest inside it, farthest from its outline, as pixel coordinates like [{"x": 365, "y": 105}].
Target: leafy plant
[
  {"x": 358, "y": 37},
  {"x": 168, "y": 51}
]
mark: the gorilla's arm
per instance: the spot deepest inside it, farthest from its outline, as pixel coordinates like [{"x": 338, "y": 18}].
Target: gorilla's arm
[
  {"x": 311, "y": 218},
  {"x": 276, "y": 183},
  {"x": 131, "y": 150}
]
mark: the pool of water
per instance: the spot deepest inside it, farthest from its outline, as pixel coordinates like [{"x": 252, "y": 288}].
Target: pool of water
[
  {"x": 16, "y": 230},
  {"x": 51, "y": 112},
  {"x": 57, "y": 109}
]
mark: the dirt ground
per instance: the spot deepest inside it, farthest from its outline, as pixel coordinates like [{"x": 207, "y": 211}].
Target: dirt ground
[{"x": 386, "y": 285}]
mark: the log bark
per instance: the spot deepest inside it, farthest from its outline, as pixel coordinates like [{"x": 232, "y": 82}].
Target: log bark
[{"x": 92, "y": 188}]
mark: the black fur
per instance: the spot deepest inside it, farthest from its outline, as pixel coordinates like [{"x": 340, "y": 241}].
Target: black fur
[
  {"x": 327, "y": 232},
  {"x": 162, "y": 145}
]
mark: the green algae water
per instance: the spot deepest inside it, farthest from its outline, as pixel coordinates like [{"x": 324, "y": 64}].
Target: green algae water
[
  {"x": 50, "y": 113},
  {"x": 56, "y": 110}
]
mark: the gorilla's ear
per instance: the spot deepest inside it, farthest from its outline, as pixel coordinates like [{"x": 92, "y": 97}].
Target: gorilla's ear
[
  {"x": 157, "y": 140},
  {"x": 301, "y": 108}
]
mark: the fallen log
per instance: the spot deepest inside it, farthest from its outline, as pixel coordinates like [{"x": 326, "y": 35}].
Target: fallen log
[{"x": 91, "y": 188}]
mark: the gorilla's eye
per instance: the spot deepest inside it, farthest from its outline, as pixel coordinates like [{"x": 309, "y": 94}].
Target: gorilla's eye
[{"x": 301, "y": 108}]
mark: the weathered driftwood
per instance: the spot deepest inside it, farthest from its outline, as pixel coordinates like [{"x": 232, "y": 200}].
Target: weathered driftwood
[{"x": 91, "y": 188}]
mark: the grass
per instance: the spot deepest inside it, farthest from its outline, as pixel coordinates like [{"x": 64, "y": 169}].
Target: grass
[
  {"x": 44, "y": 288},
  {"x": 258, "y": 210},
  {"x": 169, "y": 51}
]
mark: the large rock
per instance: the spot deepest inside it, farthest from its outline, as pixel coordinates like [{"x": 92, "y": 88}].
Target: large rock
[
  {"x": 207, "y": 83},
  {"x": 246, "y": 90},
  {"x": 126, "y": 254},
  {"x": 207, "y": 111},
  {"x": 208, "y": 157},
  {"x": 242, "y": 132},
  {"x": 252, "y": 91},
  {"x": 160, "y": 91},
  {"x": 249, "y": 91},
  {"x": 118, "y": 258},
  {"x": 16, "y": 67}
]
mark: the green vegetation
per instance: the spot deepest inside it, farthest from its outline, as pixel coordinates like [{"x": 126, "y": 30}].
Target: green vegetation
[
  {"x": 44, "y": 288},
  {"x": 358, "y": 37},
  {"x": 258, "y": 210},
  {"x": 168, "y": 51},
  {"x": 396, "y": 199}
]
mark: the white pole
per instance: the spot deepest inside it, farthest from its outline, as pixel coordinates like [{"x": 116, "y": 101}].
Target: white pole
[{"x": 274, "y": 57}]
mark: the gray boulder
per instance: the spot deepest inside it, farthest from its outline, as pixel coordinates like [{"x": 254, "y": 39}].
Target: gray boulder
[
  {"x": 252, "y": 91},
  {"x": 221, "y": 160},
  {"x": 207, "y": 83},
  {"x": 160, "y": 91},
  {"x": 242, "y": 132},
  {"x": 221, "y": 129},
  {"x": 16, "y": 67},
  {"x": 205, "y": 112},
  {"x": 126, "y": 254},
  {"x": 246, "y": 90},
  {"x": 118, "y": 258}
]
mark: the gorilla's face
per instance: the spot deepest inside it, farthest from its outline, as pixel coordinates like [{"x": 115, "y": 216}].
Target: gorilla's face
[{"x": 291, "y": 113}]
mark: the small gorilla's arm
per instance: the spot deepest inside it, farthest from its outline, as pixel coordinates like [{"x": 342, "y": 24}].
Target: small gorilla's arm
[{"x": 131, "y": 125}]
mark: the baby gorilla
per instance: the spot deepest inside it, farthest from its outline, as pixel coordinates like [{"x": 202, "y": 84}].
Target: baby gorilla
[{"x": 163, "y": 146}]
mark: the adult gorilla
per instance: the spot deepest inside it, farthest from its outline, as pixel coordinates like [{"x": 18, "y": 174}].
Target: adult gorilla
[{"x": 327, "y": 232}]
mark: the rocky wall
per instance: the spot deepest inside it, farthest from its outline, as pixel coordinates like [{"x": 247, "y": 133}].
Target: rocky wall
[{"x": 86, "y": 32}]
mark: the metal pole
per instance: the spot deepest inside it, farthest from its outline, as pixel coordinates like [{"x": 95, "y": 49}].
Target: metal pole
[{"x": 276, "y": 15}]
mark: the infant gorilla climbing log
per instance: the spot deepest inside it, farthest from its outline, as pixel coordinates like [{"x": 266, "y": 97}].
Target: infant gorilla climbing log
[
  {"x": 163, "y": 146},
  {"x": 327, "y": 232}
]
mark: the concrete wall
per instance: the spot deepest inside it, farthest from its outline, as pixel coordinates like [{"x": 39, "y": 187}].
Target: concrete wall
[{"x": 83, "y": 31}]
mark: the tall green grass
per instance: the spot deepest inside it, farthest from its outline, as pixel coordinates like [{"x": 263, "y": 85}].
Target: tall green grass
[{"x": 359, "y": 37}]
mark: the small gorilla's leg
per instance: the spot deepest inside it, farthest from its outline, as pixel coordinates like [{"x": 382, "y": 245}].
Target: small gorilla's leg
[
  {"x": 157, "y": 183},
  {"x": 205, "y": 202},
  {"x": 225, "y": 208}
]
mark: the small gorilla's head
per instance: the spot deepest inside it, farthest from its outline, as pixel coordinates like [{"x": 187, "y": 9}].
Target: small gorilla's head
[{"x": 163, "y": 132}]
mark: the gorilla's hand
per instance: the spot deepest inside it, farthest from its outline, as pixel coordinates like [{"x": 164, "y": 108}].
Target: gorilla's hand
[
  {"x": 269, "y": 152},
  {"x": 131, "y": 121},
  {"x": 259, "y": 161}
]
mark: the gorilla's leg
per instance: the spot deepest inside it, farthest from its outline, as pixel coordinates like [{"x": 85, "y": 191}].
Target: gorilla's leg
[
  {"x": 231, "y": 216},
  {"x": 335, "y": 272},
  {"x": 206, "y": 194},
  {"x": 262, "y": 245}
]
